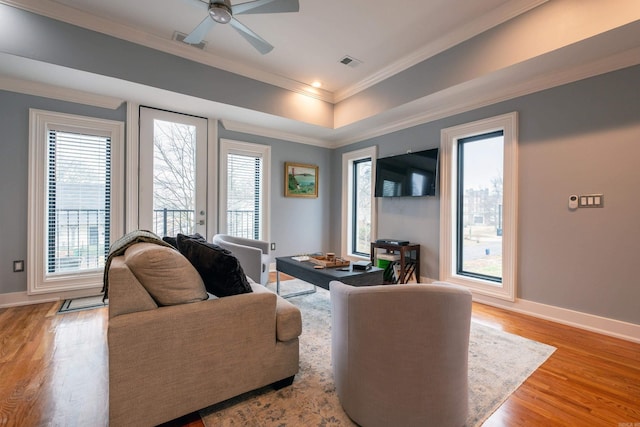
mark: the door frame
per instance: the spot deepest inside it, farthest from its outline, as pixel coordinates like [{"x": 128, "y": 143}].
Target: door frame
[{"x": 132, "y": 190}]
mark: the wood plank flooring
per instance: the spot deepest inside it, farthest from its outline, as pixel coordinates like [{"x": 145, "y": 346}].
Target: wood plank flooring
[{"x": 53, "y": 372}]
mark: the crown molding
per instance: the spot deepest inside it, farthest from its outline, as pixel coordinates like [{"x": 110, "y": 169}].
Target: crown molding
[
  {"x": 483, "y": 23},
  {"x": 82, "y": 19},
  {"x": 72, "y": 16},
  {"x": 473, "y": 95},
  {"x": 235, "y": 126},
  {"x": 467, "y": 96},
  {"x": 55, "y": 92}
]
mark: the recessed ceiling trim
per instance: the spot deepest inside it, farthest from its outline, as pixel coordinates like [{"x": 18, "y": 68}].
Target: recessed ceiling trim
[
  {"x": 477, "y": 94},
  {"x": 451, "y": 39},
  {"x": 67, "y": 14},
  {"x": 45, "y": 90},
  {"x": 272, "y": 133},
  {"x": 73, "y": 16}
]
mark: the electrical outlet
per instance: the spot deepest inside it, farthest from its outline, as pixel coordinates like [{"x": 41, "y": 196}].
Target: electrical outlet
[
  {"x": 18, "y": 266},
  {"x": 273, "y": 246}
]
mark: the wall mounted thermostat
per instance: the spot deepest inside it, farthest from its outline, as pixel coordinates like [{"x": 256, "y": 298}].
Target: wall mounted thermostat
[{"x": 573, "y": 202}]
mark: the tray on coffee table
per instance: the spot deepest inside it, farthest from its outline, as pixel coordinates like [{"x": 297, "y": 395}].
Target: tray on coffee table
[{"x": 329, "y": 262}]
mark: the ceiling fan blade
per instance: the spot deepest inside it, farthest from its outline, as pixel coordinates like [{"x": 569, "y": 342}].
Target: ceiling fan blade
[
  {"x": 256, "y": 41},
  {"x": 200, "y": 31},
  {"x": 266, "y": 6}
]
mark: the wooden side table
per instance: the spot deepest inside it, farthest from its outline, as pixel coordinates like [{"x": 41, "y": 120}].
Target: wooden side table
[{"x": 409, "y": 259}]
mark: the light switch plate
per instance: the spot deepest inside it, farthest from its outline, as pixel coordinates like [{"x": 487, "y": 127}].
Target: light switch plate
[{"x": 591, "y": 201}]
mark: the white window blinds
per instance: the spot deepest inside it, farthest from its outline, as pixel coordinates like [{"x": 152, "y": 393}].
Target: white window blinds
[
  {"x": 78, "y": 201},
  {"x": 244, "y": 181}
]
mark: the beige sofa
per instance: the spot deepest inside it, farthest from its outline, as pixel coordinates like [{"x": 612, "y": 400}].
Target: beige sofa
[{"x": 168, "y": 360}]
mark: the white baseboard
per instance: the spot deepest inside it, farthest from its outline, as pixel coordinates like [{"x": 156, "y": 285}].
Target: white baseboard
[
  {"x": 590, "y": 322},
  {"x": 16, "y": 299}
]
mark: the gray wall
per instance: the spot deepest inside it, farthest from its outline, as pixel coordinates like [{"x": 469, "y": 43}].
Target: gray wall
[
  {"x": 579, "y": 138},
  {"x": 14, "y": 175}
]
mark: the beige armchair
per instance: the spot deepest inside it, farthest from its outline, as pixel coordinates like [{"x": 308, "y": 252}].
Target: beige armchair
[
  {"x": 400, "y": 353},
  {"x": 252, "y": 254}
]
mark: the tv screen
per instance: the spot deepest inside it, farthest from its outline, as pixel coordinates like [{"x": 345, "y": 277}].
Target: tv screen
[{"x": 407, "y": 175}]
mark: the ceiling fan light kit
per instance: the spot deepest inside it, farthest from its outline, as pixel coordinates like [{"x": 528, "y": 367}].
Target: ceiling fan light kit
[{"x": 220, "y": 12}]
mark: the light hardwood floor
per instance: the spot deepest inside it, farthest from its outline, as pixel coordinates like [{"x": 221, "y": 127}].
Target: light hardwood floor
[{"x": 53, "y": 372}]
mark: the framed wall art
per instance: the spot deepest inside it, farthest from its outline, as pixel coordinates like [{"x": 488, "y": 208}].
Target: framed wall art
[{"x": 300, "y": 180}]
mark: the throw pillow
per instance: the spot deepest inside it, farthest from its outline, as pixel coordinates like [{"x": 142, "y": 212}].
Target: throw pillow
[
  {"x": 221, "y": 272},
  {"x": 171, "y": 240},
  {"x": 168, "y": 276}
]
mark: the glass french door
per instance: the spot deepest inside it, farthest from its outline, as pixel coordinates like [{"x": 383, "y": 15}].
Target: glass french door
[{"x": 172, "y": 173}]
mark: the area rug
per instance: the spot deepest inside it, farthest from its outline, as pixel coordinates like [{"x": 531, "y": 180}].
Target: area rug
[
  {"x": 85, "y": 303},
  {"x": 499, "y": 363}
]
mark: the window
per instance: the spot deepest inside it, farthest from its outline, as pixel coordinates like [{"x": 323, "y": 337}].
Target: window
[
  {"x": 73, "y": 199},
  {"x": 244, "y": 184},
  {"x": 479, "y": 206},
  {"x": 358, "y": 218},
  {"x": 361, "y": 218}
]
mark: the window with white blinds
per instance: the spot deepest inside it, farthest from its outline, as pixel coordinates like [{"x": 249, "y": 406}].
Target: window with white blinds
[
  {"x": 244, "y": 181},
  {"x": 78, "y": 201},
  {"x": 244, "y": 195},
  {"x": 75, "y": 199}
]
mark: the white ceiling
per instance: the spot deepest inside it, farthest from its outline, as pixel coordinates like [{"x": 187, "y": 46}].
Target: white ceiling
[{"x": 388, "y": 37}]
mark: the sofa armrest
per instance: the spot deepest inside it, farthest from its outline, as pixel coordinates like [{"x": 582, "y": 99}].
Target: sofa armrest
[
  {"x": 288, "y": 316},
  {"x": 288, "y": 320},
  {"x": 126, "y": 294}
]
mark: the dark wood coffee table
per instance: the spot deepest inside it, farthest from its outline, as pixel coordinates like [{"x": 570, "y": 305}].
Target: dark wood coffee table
[{"x": 304, "y": 270}]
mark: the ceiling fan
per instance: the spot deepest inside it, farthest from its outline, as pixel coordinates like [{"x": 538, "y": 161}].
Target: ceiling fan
[{"x": 222, "y": 12}]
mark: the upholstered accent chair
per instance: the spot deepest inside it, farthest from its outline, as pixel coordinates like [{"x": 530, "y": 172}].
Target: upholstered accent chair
[
  {"x": 252, "y": 254},
  {"x": 400, "y": 353}
]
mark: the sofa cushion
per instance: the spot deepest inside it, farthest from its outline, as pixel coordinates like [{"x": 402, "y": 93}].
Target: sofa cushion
[
  {"x": 168, "y": 276},
  {"x": 220, "y": 270}
]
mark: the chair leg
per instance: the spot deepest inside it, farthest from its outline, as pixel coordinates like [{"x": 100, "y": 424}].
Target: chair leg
[{"x": 283, "y": 383}]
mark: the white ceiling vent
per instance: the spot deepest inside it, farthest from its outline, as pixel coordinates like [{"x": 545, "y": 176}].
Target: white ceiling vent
[
  {"x": 178, "y": 36},
  {"x": 350, "y": 61}
]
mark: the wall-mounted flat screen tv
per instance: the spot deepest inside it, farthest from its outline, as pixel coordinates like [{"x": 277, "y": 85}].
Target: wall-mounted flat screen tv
[{"x": 407, "y": 175}]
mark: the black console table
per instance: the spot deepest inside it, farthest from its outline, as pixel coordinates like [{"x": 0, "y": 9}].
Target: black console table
[{"x": 409, "y": 262}]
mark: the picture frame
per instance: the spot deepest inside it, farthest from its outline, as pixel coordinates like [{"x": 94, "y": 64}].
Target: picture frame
[{"x": 300, "y": 180}]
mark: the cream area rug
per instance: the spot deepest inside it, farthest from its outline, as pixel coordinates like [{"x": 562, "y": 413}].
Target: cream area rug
[{"x": 499, "y": 363}]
